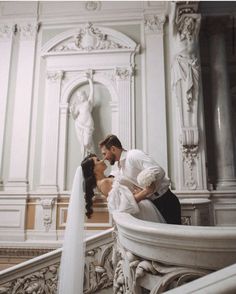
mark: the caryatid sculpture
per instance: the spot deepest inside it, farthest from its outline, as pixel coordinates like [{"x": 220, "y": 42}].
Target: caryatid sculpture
[
  {"x": 81, "y": 110},
  {"x": 184, "y": 29}
]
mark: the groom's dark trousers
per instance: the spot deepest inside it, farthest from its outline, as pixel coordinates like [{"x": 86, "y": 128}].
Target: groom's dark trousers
[{"x": 169, "y": 206}]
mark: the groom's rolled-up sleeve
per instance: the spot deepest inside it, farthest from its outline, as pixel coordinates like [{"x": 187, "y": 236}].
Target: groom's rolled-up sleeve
[{"x": 141, "y": 161}]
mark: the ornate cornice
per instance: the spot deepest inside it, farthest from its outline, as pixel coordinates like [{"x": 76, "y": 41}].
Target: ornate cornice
[
  {"x": 90, "y": 38},
  {"x": 154, "y": 23},
  {"x": 6, "y": 31},
  {"x": 28, "y": 31}
]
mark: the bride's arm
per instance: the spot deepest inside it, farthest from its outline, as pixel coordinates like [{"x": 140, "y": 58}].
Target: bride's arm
[{"x": 105, "y": 186}]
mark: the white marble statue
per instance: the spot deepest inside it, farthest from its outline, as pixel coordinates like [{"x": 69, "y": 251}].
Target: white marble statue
[
  {"x": 184, "y": 30},
  {"x": 81, "y": 110}
]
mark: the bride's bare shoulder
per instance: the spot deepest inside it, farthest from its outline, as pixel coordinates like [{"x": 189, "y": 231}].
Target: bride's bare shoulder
[{"x": 106, "y": 185}]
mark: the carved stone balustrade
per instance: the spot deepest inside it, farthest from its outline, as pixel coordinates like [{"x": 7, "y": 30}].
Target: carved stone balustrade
[
  {"x": 40, "y": 274},
  {"x": 159, "y": 257},
  {"x": 222, "y": 281}
]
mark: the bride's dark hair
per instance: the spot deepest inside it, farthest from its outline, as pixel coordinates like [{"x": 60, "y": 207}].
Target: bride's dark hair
[{"x": 90, "y": 182}]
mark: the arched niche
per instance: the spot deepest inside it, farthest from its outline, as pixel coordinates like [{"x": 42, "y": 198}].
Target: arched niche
[
  {"x": 100, "y": 117},
  {"x": 110, "y": 56}
]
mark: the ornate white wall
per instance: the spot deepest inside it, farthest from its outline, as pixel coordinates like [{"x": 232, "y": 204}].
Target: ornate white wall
[{"x": 46, "y": 48}]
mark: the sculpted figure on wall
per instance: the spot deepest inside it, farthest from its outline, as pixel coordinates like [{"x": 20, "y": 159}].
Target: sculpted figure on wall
[
  {"x": 184, "y": 28},
  {"x": 81, "y": 110},
  {"x": 185, "y": 69}
]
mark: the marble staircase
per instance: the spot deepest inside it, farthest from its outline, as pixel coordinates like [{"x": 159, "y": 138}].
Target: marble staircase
[{"x": 138, "y": 257}]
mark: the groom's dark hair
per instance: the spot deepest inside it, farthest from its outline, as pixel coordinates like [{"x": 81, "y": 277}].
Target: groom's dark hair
[{"x": 109, "y": 141}]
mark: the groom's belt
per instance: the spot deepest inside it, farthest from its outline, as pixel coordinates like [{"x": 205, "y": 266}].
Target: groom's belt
[{"x": 160, "y": 195}]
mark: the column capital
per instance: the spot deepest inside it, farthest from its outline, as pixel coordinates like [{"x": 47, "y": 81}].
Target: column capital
[
  {"x": 28, "y": 30},
  {"x": 6, "y": 31},
  {"x": 124, "y": 73},
  {"x": 154, "y": 23},
  {"x": 55, "y": 76}
]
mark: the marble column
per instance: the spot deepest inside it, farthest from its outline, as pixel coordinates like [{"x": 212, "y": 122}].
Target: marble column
[{"x": 222, "y": 112}]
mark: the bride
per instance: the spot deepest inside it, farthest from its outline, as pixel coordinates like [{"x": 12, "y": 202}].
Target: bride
[{"x": 122, "y": 196}]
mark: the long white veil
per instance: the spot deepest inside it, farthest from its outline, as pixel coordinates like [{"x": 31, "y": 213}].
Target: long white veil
[{"x": 73, "y": 255}]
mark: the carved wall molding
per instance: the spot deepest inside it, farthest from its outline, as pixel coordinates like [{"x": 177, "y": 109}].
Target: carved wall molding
[
  {"x": 186, "y": 220},
  {"x": 124, "y": 73},
  {"x": 6, "y": 31},
  {"x": 41, "y": 281},
  {"x": 40, "y": 274},
  {"x": 184, "y": 23},
  {"x": 93, "y": 5},
  {"x": 190, "y": 155},
  {"x": 28, "y": 31},
  {"x": 154, "y": 23},
  {"x": 133, "y": 269},
  {"x": 47, "y": 205},
  {"x": 86, "y": 39},
  {"x": 98, "y": 269},
  {"x": 55, "y": 76}
]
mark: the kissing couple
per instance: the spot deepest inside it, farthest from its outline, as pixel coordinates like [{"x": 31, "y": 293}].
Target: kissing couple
[{"x": 138, "y": 185}]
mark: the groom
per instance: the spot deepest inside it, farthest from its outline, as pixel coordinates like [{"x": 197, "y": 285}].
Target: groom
[{"x": 131, "y": 163}]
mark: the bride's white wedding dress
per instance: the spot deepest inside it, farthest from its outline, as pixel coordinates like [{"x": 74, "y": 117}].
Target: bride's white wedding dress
[{"x": 120, "y": 199}]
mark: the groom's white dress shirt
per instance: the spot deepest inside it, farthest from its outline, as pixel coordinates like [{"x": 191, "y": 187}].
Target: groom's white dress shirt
[{"x": 134, "y": 161}]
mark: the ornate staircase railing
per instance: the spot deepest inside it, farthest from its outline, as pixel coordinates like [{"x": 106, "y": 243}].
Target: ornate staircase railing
[
  {"x": 40, "y": 274},
  {"x": 159, "y": 257},
  {"x": 137, "y": 255}
]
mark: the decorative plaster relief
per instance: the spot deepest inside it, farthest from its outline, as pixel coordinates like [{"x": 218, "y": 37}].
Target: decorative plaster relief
[
  {"x": 186, "y": 220},
  {"x": 47, "y": 205},
  {"x": 154, "y": 23},
  {"x": 184, "y": 25},
  {"x": 98, "y": 273},
  {"x": 98, "y": 269},
  {"x": 55, "y": 76},
  {"x": 168, "y": 277},
  {"x": 6, "y": 31},
  {"x": 92, "y": 5},
  {"x": 190, "y": 154},
  {"x": 42, "y": 281},
  {"x": 90, "y": 38},
  {"x": 124, "y": 73},
  {"x": 28, "y": 31}
]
